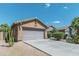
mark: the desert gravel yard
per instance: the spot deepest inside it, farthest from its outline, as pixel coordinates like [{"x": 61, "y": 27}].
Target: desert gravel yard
[
  {"x": 56, "y": 48},
  {"x": 19, "y": 49}
]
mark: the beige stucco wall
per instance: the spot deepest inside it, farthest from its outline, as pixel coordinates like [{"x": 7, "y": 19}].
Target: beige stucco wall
[
  {"x": 34, "y": 25},
  {"x": 29, "y": 24},
  {"x": 38, "y": 25},
  {"x": 46, "y": 34},
  {"x": 1, "y": 35},
  {"x": 19, "y": 33}
]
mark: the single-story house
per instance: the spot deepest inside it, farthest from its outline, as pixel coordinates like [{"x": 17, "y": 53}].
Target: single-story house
[{"x": 31, "y": 29}]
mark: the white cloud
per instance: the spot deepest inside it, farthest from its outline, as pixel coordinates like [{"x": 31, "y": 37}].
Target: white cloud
[
  {"x": 47, "y": 4},
  {"x": 56, "y": 21},
  {"x": 65, "y": 7}
]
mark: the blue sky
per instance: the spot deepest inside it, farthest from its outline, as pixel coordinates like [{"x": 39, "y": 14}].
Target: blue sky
[{"x": 56, "y": 14}]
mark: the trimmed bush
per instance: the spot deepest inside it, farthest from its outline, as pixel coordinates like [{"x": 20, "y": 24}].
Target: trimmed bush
[
  {"x": 58, "y": 35},
  {"x": 49, "y": 34}
]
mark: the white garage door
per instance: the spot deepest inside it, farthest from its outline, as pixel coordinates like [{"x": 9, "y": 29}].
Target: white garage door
[{"x": 33, "y": 34}]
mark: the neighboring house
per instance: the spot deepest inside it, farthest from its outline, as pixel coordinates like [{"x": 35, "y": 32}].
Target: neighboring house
[
  {"x": 62, "y": 30},
  {"x": 50, "y": 28},
  {"x": 65, "y": 30},
  {"x": 69, "y": 32},
  {"x": 31, "y": 29}
]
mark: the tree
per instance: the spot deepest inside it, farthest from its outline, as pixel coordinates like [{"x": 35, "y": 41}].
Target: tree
[
  {"x": 4, "y": 27},
  {"x": 75, "y": 26},
  {"x": 75, "y": 23}
]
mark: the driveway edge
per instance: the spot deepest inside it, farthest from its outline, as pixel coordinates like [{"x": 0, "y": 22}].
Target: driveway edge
[{"x": 37, "y": 48}]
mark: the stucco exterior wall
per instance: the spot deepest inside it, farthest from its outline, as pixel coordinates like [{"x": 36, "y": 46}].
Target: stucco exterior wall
[
  {"x": 46, "y": 34},
  {"x": 1, "y": 35},
  {"x": 20, "y": 32},
  {"x": 34, "y": 25},
  {"x": 31, "y": 24},
  {"x": 15, "y": 32}
]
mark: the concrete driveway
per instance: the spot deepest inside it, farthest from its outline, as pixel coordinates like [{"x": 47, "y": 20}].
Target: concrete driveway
[
  {"x": 19, "y": 49},
  {"x": 55, "y": 48}
]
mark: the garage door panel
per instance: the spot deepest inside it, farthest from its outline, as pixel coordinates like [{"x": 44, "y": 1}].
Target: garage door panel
[{"x": 33, "y": 34}]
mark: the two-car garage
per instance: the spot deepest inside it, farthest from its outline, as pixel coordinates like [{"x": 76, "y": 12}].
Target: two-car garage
[
  {"x": 33, "y": 34},
  {"x": 32, "y": 29}
]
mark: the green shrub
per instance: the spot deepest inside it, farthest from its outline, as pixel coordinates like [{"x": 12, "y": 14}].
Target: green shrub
[
  {"x": 76, "y": 39},
  {"x": 58, "y": 35},
  {"x": 49, "y": 34}
]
